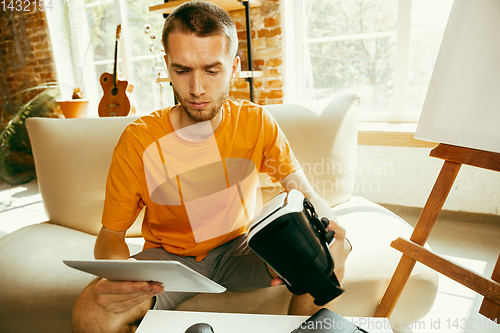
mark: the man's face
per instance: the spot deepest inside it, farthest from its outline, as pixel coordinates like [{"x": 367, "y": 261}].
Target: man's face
[{"x": 201, "y": 70}]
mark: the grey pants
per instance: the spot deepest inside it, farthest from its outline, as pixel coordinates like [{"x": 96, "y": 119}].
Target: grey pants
[{"x": 232, "y": 265}]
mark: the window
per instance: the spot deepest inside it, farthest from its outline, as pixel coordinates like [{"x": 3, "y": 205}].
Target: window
[
  {"x": 384, "y": 50},
  {"x": 140, "y": 60}
]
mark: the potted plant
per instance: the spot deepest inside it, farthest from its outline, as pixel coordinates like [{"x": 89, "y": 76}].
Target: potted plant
[
  {"x": 76, "y": 107},
  {"x": 16, "y": 158}
]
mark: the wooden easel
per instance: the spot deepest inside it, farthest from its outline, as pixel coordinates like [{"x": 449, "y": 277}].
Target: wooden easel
[{"x": 414, "y": 251}]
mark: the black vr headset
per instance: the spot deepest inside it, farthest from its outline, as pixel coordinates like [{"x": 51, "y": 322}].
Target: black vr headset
[{"x": 292, "y": 240}]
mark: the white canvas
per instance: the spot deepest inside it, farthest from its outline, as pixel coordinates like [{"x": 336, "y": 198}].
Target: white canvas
[{"x": 462, "y": 106}]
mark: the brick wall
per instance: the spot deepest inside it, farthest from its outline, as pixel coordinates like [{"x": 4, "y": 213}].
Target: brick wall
[
  {"x": 267, "y": 53},
  {"x": 25, "y": 57},
  {"x": 25, "y": 61}
]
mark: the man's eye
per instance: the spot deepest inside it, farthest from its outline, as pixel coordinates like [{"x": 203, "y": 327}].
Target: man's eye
[
  {"x": 212, "y": 72},
  {"x": 181, "y": 71}
]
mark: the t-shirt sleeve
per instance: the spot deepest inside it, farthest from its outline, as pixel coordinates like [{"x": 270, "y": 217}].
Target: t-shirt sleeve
[
  {"x": 278, "y": 160},
  {"x": 123, "y": 200}
]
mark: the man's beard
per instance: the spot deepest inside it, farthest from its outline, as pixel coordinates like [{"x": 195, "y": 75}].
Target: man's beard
[{"x": 200, "y": 116}]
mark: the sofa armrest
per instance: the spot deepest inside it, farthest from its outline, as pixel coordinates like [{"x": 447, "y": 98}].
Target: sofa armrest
[
  {"x": 72, "y": 159},
  {"x": 323, "y": 135}
]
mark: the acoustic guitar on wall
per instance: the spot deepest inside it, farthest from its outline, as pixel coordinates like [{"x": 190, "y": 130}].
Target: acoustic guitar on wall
[{"x": 115, "y": 101}]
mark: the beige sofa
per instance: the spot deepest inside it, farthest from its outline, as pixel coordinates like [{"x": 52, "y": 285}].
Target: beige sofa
[{"x": 72, "y": 157}]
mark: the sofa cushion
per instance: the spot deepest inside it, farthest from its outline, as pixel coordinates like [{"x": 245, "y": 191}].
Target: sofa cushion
[
  {"x": 38, "y": 289},
  {"x": 323, "y": 135},
  {"x": 72, "y": 159},
  {"x": 371, "y": 228}
]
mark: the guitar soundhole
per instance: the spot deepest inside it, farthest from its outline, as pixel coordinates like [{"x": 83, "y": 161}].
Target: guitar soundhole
[{"x": 114, "y": 91}]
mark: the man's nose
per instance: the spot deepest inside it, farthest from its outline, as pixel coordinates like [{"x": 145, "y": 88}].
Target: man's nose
[{"x": 197, "y": 84}]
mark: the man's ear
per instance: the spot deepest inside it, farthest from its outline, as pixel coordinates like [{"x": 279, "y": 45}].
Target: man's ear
[{"x": 236, "y": 65}]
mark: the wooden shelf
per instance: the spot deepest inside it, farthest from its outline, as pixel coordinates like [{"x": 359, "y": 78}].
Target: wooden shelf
[
  {"x": 227, "y": 5},
  {"x": 248, "y": 74}
]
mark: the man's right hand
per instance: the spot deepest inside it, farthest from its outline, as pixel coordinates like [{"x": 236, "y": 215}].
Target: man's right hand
[{"x": 121, "y": 296}]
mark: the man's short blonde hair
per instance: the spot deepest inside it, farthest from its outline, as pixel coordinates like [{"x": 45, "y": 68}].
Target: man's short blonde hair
[{"x": 203, "y": 19}]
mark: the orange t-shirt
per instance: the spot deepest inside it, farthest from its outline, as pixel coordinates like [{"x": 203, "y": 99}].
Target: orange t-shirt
[{"x": 200, "y": 187}]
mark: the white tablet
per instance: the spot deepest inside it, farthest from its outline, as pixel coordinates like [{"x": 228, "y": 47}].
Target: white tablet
[{"x": 173, "y": 275}]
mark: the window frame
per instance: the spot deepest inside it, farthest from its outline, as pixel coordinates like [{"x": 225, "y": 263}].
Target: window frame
[
  {"x": 294, "y": 59},
  {"x": 65, "y": 62}
]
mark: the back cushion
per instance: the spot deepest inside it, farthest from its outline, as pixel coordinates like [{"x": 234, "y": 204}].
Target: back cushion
[
  {"x": 72, "y": 159},
  {"x": 323, "y": 135}
]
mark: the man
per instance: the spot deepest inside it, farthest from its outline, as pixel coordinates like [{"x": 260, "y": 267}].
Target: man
[{"x": 193, "y": 166}]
